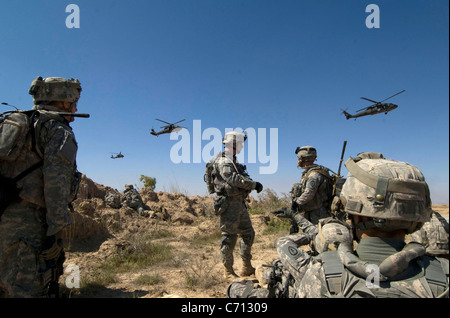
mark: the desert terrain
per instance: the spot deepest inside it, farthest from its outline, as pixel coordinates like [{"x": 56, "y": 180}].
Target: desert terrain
[{"x": 172, "y": 252}]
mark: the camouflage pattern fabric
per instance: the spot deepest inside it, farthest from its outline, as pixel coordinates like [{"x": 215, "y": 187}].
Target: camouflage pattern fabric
[
  {"x": 398, "y": 276},
  {"x": 434, "y": 235},
  {"x": 294, "y": 259},
  {"x": 400, "y": 209},
  {"x": 312, "y": 199},
  {"x": 42, "y": 210},
  {"x": 234, "y": 220},
  {"x": 132, "y": 198}
]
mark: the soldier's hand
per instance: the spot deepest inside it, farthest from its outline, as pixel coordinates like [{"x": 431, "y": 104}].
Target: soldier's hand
[
  {"x": 284, "y": 213},
  {"x": 258, "y": 187},
  {"x": 294, "y": 205}
]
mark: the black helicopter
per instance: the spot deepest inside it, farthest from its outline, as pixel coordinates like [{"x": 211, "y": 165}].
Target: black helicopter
[
  {"x": 117, "y": 155},
  {"x": 377, "y": 108},
  {"x": 167, "y": 129}
]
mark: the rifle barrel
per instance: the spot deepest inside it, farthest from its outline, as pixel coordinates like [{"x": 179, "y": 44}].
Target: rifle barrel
[{"x": 75, "y": 115}]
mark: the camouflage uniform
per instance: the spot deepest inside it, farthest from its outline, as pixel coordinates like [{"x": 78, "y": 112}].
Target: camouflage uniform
[
  {"x": 312, "y": 195},
  {"x": 393, "y": 196},
  {"x": 294, "y": 261},
  {"x": 313, "y": 200},
  {"x": 133, "y": 199},
  {"x": 434, "y": 235},
  {"x": 228, "y": 179},
  {"x": 232, "y": 188},
  {"x": 29, "y": 224}
]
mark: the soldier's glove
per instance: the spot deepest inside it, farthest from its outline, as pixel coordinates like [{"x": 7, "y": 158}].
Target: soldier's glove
[
  {"x": 258, "y": 187},
  {"x": 284, "y": 213},
  {"x": 294, "y": 206}
]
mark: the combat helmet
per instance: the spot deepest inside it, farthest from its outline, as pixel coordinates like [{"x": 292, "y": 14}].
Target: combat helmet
[
  {"x": 234, "y": 137},
  {"x": 332, "y": 232},
  {"x": 55, "y": 89},
  {"x": 305, "y": 153},
  {"x": 393, "y": 194}
]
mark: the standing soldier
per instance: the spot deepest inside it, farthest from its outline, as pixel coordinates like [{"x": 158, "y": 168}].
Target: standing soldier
[
  {"x": 31, "y": 252},
  {"x": 232, "y": 185},
  {"x": 434, "y": 235},
  {"x": 385, "y": 200},
  {"x": 313, "y": 194}
]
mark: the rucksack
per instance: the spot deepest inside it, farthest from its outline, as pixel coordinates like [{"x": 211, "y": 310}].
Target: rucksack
[
  {"x": 15, "y": 126},
  {"x": 209, "y": 174}
]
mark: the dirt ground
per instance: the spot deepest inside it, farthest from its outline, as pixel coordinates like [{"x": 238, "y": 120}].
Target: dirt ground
[{"x": 186, "y": 225}]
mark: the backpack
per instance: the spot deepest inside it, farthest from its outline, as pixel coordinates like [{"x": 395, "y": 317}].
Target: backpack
[
  {"x": 209, "y": 174},
  {"x": 15, "y": 127}
]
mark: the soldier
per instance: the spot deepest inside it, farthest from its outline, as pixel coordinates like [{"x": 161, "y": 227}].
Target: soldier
[
  {"x": 287, "y": 272},
  {"x": 31, "y": 253},
  {"x": 385, "y": 200},
  {"x": 434, "y": 235},
  {"x": 232, "y": 185},
  {"x": 132, "y": 198},
  {"x": 312, "y": 195}
]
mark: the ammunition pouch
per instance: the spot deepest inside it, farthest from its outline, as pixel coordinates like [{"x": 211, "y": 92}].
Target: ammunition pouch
[{"x": 220, "y": 204}]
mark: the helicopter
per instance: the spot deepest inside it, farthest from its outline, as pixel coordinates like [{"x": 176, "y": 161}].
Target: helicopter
[
  {"x": 377, "y": 108},
  {"x": 167, "y": 129},
  {"x": 117, "y": 155}
]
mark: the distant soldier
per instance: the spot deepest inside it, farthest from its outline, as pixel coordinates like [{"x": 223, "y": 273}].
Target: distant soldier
[
  {"x": 132, "y": 199},
  {"x": 312, "y": 196},
  {"x": 434, "y": 236},
  {"x": 385, "y": 200},
  {"x": 232, "y": 185},
  {"x": 31, "y": 252}
]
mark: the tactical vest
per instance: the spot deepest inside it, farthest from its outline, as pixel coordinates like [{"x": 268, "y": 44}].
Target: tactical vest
[
  {"x": 324, "y": 193},
  {"x": 339, "y": 278}
]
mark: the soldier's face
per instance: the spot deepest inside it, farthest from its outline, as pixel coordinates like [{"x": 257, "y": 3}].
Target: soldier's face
[{"x": 238, "y": 148}]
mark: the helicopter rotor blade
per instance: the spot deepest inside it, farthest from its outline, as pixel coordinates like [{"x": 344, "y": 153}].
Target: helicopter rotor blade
[
  {"x": 369, "y": 100},
  {"x": 163, "y": 121},
  {"x": 179, "y": 121},
  {"x": 393, "y": 95},
  {"x": 365, "y": 108}
]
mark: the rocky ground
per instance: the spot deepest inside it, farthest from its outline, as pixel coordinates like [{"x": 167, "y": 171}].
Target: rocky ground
[
  {"x": 174, "y": 252},
  {"x": 108, "y": 246}
]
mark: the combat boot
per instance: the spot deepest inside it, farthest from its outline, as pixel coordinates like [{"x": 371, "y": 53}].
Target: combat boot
[
  {"x": 229, "y": 273},
  {"x": 247, "y": 269}
]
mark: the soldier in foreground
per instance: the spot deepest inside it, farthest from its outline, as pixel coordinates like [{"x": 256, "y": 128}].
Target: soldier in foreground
[
  {"x": 232, "y": 185},
  {"x": 312, "y": 196},
  {"x": 385, "y": 200},
  {"x": 31, "y": 252},
  {"x": 286, "y": 273}
]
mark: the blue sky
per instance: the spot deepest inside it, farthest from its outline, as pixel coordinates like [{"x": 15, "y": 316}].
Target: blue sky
[{"x": 287, "y": 65}]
